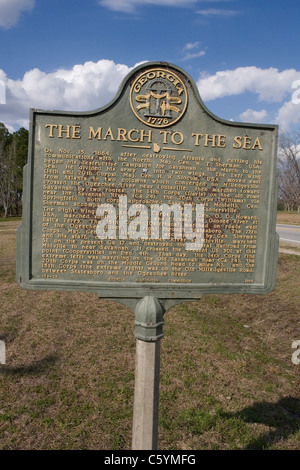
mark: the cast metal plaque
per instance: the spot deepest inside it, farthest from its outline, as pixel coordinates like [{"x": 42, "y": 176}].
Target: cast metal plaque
[{"x": 149, "y": 195}]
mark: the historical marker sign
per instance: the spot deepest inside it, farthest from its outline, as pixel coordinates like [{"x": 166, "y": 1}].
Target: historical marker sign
[{"x": 149, "y": 195}]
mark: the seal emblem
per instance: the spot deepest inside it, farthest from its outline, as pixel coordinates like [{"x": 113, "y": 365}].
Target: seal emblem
[{"x": 158, "y": 97}]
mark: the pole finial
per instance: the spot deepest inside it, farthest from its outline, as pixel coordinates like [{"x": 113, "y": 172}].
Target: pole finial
[{"x": 149, "y": 320}]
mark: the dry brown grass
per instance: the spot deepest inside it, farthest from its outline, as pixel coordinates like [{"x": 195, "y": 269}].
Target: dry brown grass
[
  {"x": 227, "y": 378},
  {"x": 288, "y": 218}
]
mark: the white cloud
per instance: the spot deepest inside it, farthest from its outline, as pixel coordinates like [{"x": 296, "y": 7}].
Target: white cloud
[
  {"x": 85, "y": 87},
  {"x": 191, "y": 51},
  {"x": 129, "y": 6},
  {"x": 250, "y": 115},
  {"x": 288, "y": 114},
  {"x": 10, "y": 11},
  {"x": 91, "y": 85},
  {"x": 193, "y": 55},
  {"x": 191, "y": 45},
  {"x": 270, "y": 84},
  {"x": 214, "y": 12}
]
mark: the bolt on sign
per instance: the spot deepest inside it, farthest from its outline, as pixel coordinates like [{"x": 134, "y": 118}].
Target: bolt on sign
[{"x": 150, "y": 195}]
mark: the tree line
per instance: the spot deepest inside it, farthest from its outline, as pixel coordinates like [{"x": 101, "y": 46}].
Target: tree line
[
  {"x": 14, "y": 151},
  {"x": 13, "y": 157}
]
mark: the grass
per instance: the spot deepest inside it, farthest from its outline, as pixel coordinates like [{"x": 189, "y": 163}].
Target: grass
[
  {"x": 10, "y": 219},
  {"x": 227, "y": 378},
  {"x": 288, "y": 218}
]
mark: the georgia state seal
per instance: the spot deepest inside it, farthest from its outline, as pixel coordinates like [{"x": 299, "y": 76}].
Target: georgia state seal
[{"x": 158, "y": 97}]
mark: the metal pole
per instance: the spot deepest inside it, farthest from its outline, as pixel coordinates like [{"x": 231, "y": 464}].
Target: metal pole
[{"x": 148, "y": 332}]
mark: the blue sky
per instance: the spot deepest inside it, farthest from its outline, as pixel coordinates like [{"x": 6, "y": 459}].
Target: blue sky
[{"x": 73, "y": 54}]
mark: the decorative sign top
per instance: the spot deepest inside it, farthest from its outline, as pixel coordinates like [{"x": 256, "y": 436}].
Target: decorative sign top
[
  {"x": 149, "y": 195},
  {"x": 158, "y": 97}
]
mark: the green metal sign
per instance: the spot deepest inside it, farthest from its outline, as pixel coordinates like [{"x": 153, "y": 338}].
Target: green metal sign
[{"x": 150, "y": 195}]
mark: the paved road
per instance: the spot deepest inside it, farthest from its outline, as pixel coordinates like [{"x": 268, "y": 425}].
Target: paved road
[{"x": 289, "y": 233}]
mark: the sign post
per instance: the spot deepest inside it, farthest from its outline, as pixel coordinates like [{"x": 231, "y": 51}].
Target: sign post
[
  {"x": 148, "y": 332},
  {"x": 150, "y": 201}
]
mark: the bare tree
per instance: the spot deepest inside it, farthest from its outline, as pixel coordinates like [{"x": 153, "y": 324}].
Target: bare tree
[{"x": 289, "y": 170}]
